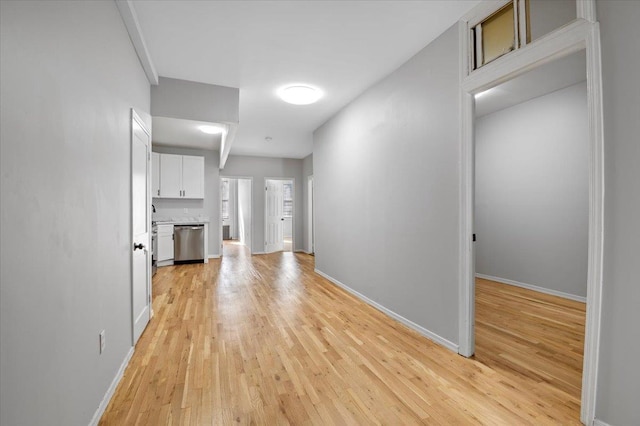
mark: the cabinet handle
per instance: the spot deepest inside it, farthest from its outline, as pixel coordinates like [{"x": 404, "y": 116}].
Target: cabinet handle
[
  {"x": 184, "y": 192},
  {"x": 158, "y": 192}
]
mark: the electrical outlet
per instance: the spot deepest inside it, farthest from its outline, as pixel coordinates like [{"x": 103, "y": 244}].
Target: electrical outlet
[
  {"x": 103, "y": 341},
  {"x": 186, "y": 210}
]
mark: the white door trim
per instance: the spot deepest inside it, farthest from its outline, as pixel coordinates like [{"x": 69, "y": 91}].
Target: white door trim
[
  {"x": 583, "y": 33},
  {"x": 135, "y": 117},
  {"x": 311, "y": 215}
]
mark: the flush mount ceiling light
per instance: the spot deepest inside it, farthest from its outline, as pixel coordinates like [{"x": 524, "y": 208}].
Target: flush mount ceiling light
[
  {"x": 211, "y": 130},
  {"x": 299, "y": 94}
]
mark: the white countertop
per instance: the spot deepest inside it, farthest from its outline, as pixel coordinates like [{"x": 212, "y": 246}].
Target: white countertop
[{"x": 180, "y": 220}]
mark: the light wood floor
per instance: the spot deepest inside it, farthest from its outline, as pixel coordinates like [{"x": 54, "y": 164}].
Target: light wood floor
[{"x": 264, "y": 340}]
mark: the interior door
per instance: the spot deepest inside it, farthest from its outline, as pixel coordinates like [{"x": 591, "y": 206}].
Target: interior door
[
  {"x": 274, "y": 233},
  {"x": 140, "y": 222}
]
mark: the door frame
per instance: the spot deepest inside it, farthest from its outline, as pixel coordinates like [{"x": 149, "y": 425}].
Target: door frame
[
  {"x": 136, "y": 117},
  {"x": 221, "y": 241},
  {"x": 311, "y": 232},
  {"x": 583, "y": 33},
  {"x": 293, "y": 211}
]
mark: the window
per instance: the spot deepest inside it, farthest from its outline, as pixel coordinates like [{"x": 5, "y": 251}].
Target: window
[
  {"x": 287, "y": 188},
  {"x": 225, "y": 200},
  {"x": 503, "y": 31}
]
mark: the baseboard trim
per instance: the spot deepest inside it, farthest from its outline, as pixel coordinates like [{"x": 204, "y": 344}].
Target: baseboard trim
[
  {"x": 412, "y": 325},
  {"x": 597, "y": 422},
  {"x": 214, "y": 256},
  {"x": 534, "y": 288},
  {"x": 112, "y": 388},
  {"x": 258, "y": 252}
]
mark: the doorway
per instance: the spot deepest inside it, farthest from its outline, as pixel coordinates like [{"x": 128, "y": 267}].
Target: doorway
[
  {"x": 279, "y": 215},
  {"x": 236, "y": 215},
  {"x": 581, "y": 34},
  {"x": 531, "y": 220}
]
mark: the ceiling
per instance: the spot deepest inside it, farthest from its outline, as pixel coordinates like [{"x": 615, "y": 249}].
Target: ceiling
[
  {"x": 540, "y": 81},
  {"x": 342, "y": 47},
  {"x": 183, "y": 133}
]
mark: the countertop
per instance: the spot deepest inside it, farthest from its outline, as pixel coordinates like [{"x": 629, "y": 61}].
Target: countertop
[{"x": 178, "y": 220}]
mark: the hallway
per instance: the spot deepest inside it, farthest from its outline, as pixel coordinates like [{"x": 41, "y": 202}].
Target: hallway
[{"x": 265, "y": 340}]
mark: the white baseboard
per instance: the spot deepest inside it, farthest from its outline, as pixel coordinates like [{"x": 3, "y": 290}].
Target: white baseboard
[
  {"x": 258, "y": 252},
  {"x": 597, "y": 422},
  {"x": 214, "y": 256},
  {"x": 534, "y": 288},
  {"x": 423, "y": 331},
  {"x": 112, "y": 388}
]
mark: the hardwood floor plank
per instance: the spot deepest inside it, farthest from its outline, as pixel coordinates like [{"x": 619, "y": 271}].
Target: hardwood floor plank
[{"x": 265, "y": 340}]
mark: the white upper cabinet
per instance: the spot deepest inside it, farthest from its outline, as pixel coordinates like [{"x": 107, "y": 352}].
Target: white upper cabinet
[
  {"x": 170, "y": 176},
  {"x": 192, "y": 177},
  {"x": 179, "y": 176},
  {"x": 155, "y": 174}
]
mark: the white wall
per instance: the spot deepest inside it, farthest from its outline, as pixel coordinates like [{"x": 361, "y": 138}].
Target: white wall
[
  {"x": 264, "y": 167},
  {"x": 618, "y": 374},
  {"x": 532, "y": 192},
  {"x": 244, "y": 211},
  {"x": 307, "y": 170},
  {"x": 396, "y": 145},
  {"x": 69, "y": 76},
  {"x": 209, "y": 206}
]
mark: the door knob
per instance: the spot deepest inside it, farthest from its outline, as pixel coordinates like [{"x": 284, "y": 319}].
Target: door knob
[{"x": 138, "y": 246}]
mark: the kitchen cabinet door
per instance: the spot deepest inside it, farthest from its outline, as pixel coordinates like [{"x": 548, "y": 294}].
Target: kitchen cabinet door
[
  {"x": 165, "y": 242},
  {"x": 170, "y": 176},
  {"x": 192, "y": 177},
  {"x": 155, "y": 174}
]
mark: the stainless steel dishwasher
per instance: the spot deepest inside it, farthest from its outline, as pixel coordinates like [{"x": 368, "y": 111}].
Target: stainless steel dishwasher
[{"x": 188, "y": 243}]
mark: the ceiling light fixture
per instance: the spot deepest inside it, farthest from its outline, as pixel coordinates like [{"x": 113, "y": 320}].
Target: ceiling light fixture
[
  {"x": 300, "y": 94},
  {"x": 212, "y": 130}
]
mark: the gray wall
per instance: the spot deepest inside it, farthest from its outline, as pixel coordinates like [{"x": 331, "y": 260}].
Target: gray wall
[
  {"x": 307, "y": 170},
  {"x": 69, "y": 76},
  {"x": 209, "y": 206},
  {"x": 260, "y": 168},
  {"x": 190, "y": 100},
  {"x": 532, "y": 192},
  {"x": 396, "y": 145},
  {"x": 619, "y": 375}
]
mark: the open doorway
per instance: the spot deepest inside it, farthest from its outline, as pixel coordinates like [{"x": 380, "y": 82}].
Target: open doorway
[
  {"x": 531, "y": 221},
  {"x": 279, "y": 215},
  {"x": 236, "y": 215}
]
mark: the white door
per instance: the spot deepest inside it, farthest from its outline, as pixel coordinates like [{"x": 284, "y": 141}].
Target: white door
[
  {"x": 192, "y": 177},
  {"x": 310, "y": 218},
  {"x": 170, "y": 176},
  {"x": 274, "y": 235},
  {"x": 140, "y": 221}
]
